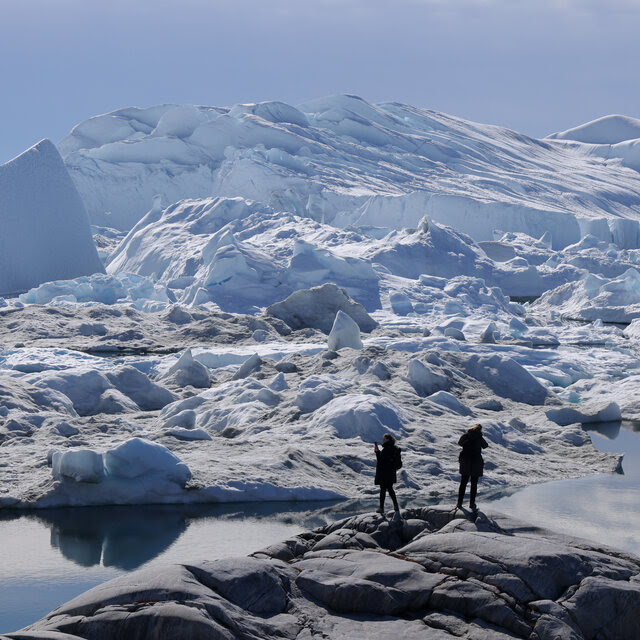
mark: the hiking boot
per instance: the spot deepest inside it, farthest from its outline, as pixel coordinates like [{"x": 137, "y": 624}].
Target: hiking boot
[{"x": 380, "y": 511}]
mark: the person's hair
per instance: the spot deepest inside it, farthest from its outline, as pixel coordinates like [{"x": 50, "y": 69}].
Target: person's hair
[
  {"x": 388, "y": 435},
  {"x": 475, "y": 427}
]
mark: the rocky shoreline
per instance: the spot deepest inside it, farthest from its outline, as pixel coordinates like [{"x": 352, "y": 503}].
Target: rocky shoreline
[{"x": 437, "y": 573}]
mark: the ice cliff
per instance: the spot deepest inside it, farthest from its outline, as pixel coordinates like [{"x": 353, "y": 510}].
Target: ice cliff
[
  {"x": 44, "y": 229},
  {"x": 343, "y": 161}
]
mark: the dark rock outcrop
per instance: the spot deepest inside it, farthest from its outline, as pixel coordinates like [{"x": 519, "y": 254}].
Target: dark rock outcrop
[{"x": 439, "y": 574}]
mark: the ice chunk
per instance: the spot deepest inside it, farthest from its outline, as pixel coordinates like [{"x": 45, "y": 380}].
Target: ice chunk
[
  {"x": 187, "y": 372},
  {"x": 425, "y": 379},
  {"x": 180, "y": 121},
  {"x": 400, "y": 303},
  {"x": 66, "y": 430},
  {"x": 455, "y": 333},
  {"x": 361, "y": 416},
  {"x": 488, "y": 335},
  {"x": 609, "y": 299},
  {"x": 279, "y": 382},
  {"x": 81, "y": 465},
  {"x": 250, "y": 365},
  {"x": 344, "y": 333},
  {"x": 317, "y": 308},
  {"x": 585, "y": 414},
  {"x": 317, "y": 390},
  {"x": 517, "y": 328},
  {"x": 184, "y": 419},
  {"x": 449, "y": 401},
  {"x": 99, "y": 288},
  {"x": 138, "y": 457},
  {"x": 136, "y": 385},
  {"x": 178, "y": 315},
  {"x": 90, "y": 391},
  {"x": 607, "y": 130},
  {"x": 506, "y": 378},
  {"x": 309, "y": 400},
  {"x": 633, "y": 330},
  {"x": 188, "y": 434}
]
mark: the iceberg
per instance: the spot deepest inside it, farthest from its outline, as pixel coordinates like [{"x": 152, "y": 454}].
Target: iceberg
[{"x": 45, "y": 229}]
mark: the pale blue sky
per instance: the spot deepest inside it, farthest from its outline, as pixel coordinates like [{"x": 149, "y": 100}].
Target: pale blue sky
[{"x": 536, "y": 66}]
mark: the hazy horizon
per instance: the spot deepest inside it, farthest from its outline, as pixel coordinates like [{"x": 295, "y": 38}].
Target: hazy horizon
[{"x": 536, "y": 69}]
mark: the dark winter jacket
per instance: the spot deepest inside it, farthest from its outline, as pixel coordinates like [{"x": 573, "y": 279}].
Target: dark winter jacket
[
  {"x": 471, "y": 462},
  {"x": 388, "y": 462}
]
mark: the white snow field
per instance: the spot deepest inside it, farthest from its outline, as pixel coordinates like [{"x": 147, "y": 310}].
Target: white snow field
[
  {"x": 285, "y": 285},
  {"x": 44, "y": 229}
]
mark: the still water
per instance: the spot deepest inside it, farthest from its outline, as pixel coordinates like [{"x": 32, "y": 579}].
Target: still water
[
  {"x": 50, "y": 556},
  {"x": 604, "y": 508}
]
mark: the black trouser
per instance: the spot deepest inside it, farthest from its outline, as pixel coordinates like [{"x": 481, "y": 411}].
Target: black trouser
[
  {"x": 463, "y": 487},
  {"x": 392, "y": 494}
]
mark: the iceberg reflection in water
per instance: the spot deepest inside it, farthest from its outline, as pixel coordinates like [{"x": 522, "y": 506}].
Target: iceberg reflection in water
[
  {"x": 604, "y": 508},
  {"x": 49, "y": 556}
]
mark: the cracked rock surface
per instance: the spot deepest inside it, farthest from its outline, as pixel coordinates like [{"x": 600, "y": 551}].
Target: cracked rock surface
[{"x": 438, "y": 573}]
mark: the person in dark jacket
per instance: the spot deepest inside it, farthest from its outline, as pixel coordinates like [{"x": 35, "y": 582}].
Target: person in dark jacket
[
  {"x": 471, "y": 462},
  {"x": 388, "y": 462}
]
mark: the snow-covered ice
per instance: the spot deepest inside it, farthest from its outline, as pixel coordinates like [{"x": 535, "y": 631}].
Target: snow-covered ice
[
  {"x": 286, "y": 284},
  {"x": 344, "y": 161}
]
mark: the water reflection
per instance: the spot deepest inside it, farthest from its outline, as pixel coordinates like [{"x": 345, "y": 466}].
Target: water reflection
[
  {"x": 126, "y": 537},
  {"x": 609, "y": 430},
  {"x": 604, "y": 507},
  {"x": 116, "y": 537}
]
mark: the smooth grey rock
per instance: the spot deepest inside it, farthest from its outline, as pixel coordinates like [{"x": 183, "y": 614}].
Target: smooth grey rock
[
  {"x": 253, "y": 584},
  {"x": 365, "y": 582},
  {"x": 550, "y": 628},
  {"x": 346, "y": 539},
  {"x": 459, "y": 575},
  {"x": 606, "y": 609},
  {"x": 471, "y": 600}
]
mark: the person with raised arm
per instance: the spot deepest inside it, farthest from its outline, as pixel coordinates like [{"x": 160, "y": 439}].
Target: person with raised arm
[{"x": 471, "y": 463}]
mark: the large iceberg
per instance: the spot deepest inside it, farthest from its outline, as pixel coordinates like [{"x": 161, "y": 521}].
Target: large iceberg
[
  {"x": 345, "y": 161},
  {"x": 45, "y": 232}
]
